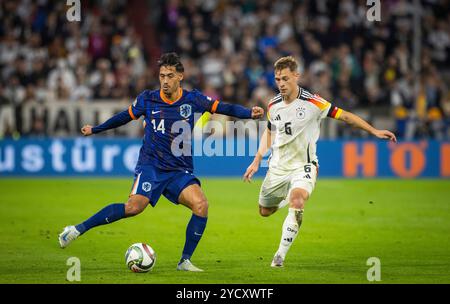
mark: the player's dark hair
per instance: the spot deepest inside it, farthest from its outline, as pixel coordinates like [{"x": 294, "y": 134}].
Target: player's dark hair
[
  {"x": 171, "y": 59},
  {"x": 286, "y": 62}
]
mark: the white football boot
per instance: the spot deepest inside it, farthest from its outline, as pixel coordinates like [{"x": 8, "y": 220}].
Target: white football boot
[
  {"x": 277, "y": 260},
  {"x": 187, "y": 265},
  {"x": 69, "y": 234}
]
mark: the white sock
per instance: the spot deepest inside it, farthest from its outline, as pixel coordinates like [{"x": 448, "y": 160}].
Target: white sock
[{"x": 291, "y": 226}]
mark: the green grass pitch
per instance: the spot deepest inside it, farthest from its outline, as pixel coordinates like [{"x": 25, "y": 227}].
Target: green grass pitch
[{"x": 405, "y": 223}]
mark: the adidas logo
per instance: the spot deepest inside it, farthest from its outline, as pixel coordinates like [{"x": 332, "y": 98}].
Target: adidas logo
[
  {"x": 288, "y": 240},
  {"x": 278, "y": 117},
  {"x": 307, "y": 176}
]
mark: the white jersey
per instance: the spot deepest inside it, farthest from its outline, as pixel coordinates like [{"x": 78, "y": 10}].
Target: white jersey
[{"x": 297, "y": 129}]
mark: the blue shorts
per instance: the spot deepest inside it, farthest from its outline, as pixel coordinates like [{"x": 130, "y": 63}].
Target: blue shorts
[{"x": 151, "y": 182}]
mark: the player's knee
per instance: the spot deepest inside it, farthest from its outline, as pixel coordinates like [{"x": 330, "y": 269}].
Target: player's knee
[
  {"x": 132, "y": 210},
  {"x": 298, "y": 199},
  {"x": 134, "y": 207},
  {"x": 297, "y": 203},
  {"x": 200, "y": 207},
  {"x": 265, "y": 212}
]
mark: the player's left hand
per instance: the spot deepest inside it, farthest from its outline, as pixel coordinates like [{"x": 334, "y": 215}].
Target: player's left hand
[
  {"x": 257, "y": 112},
  {"x": 385, "y": 134}
]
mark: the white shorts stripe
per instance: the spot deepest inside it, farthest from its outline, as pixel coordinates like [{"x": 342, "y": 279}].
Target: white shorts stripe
[{"x": 136, "y": 183}]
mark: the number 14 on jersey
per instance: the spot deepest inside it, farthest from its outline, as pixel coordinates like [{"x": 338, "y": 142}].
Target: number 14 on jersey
[{"x": 160, "y": 126}]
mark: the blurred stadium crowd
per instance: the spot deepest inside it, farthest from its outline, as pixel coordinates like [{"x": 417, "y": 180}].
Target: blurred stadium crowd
[{"x": 228, "y": 49}]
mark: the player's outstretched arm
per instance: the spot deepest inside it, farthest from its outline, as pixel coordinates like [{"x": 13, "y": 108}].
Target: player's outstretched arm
[
  {"x": 264, "y": 146},
  {"x": 239, "y": 111},
  {"x": 114, "y": 122},
  {"x": 356, "y": 121}
]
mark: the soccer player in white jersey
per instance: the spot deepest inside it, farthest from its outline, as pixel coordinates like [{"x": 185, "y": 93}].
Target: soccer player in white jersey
[{"x": 294, "y": 118}]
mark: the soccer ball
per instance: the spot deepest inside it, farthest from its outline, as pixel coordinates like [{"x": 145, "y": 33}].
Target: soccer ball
[{"x": 140, "y": 257}]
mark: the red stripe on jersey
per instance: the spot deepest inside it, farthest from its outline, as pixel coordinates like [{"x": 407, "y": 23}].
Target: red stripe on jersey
[
  {"x": 272, "y": 103},
  {"x": 319, "y": 99},
  {"x": 318, "y": 103}
]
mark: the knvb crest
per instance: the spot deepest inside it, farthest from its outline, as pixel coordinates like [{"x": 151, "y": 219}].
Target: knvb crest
[
  {"x": 146, "y": 186},
  {"x": 185, "y": 110}
]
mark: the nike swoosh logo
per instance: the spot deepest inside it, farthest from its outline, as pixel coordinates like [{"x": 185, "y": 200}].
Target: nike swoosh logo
[
  {"x": 154, "y": 112},
  {"x": 196, "y": 233}
]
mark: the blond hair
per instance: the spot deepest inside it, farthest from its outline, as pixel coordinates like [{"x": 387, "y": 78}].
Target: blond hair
[{"x": 286, "y": 62}]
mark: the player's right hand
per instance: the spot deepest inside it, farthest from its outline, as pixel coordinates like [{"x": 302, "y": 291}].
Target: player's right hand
[
  {"x": 257, "y": 112},
  {"x": 251, "y": 170},
  {"x": 86, "y": 130}
]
